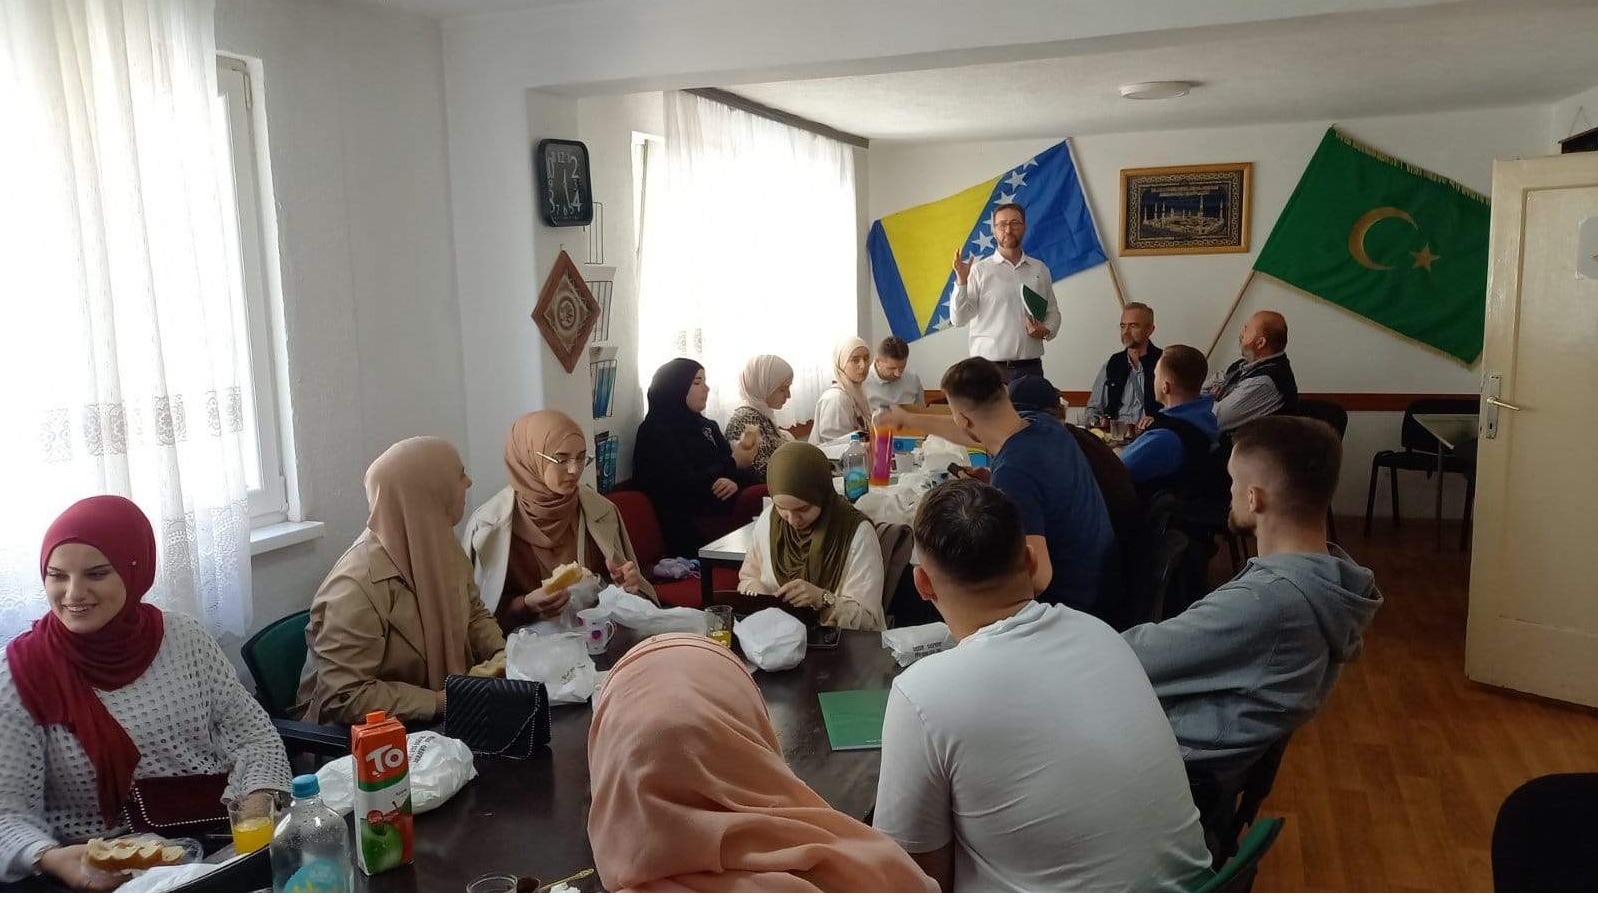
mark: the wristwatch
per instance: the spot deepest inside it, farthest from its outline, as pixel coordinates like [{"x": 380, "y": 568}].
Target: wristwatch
[{"x": 828, "y": 600}]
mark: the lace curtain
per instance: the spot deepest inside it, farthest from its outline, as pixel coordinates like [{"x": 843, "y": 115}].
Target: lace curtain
[
  {"x": 120, "y": 297},
  {"x": 749, "y": 247}
]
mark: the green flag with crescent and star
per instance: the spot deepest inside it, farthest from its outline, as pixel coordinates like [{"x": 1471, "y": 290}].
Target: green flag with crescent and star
[{"x": 1402, "y": 246}]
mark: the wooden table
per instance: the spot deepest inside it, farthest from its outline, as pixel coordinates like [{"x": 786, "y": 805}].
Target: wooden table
[
  {"x": 1451, "y": 429},
  {"x": 530, "y": 818}
]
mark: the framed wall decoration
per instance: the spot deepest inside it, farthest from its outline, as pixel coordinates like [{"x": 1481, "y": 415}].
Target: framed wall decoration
[
  {"x": 1186, "y": 209},
  {"x": 566, "y": 312},
  {"x": 565, "y": 191}
]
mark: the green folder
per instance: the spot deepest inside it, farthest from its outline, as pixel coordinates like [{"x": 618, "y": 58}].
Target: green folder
[
  {"x": 1036, "y": 304},
  {"x": 854, "y": 718}
]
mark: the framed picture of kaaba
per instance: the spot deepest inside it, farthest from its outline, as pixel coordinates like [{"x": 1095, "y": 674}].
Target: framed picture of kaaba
[
  {"x": 566, "y": 311},
  {"x": 1186, "y": 209}
]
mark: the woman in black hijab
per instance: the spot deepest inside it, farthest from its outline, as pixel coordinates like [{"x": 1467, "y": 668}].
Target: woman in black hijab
[{"x": 685, "y": 465}]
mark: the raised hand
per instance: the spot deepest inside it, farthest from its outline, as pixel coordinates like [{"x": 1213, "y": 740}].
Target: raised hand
[{"x": 962, "y": 266}]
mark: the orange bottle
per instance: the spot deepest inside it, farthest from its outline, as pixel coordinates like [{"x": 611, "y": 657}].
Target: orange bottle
[
  {"x": 881, "y": 471},
  {"x": 384, "y": 833}
]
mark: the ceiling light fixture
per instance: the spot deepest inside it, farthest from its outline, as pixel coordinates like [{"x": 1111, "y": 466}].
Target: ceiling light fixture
[{"x": 1156, "y": 90}]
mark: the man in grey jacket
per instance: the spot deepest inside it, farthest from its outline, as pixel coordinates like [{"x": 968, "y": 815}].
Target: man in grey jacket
[{"x": 1251, "y": 662}]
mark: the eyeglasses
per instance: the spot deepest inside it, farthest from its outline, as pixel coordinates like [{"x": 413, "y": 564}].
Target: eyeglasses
[
  {"x": 579, "y": 461},
  {"x": 1008, "y": 226}
]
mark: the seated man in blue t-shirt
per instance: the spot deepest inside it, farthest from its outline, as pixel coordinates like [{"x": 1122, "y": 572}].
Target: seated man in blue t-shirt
[
  {"x": 1184, "y": 432},
  {"x": 1039, "y": 466}
]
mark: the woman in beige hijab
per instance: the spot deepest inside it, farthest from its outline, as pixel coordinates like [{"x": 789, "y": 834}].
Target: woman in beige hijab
[
  {"x": 765, "y": 386},
  {"x": 843, "y": 408},
  {"x": 399, "y": 611},
  {"x": 691, "y": 792},
  {"x": 544, "y": 519}
]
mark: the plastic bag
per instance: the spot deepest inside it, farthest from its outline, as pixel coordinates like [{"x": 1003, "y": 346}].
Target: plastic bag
[
  {"x": 558, "y": 661},
  {"x": 910, "y": 643},
  {"x": 167, "y": 878},
  {"x": 771, "y": 639},
  {"x": 896, "y": 503},
  {"x": 440, "y": 766},
  {"x": 644, "y": 617}
]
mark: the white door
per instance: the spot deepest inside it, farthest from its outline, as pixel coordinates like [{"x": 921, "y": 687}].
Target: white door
[{"x": 1533, "y": 580}]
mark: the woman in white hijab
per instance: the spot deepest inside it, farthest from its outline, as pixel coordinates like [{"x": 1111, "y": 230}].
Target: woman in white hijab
[
  {"x": 842, "y": 408},
  {"x": 765, "y": 386}
]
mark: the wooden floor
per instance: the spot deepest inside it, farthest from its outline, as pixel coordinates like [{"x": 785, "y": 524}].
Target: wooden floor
[{"x": 1396, "y": 783}]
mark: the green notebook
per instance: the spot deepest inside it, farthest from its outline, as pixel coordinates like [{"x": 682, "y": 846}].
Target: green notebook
[
  {"x": 1036, "y": 304},
  {"x": 854, "y": 718}
]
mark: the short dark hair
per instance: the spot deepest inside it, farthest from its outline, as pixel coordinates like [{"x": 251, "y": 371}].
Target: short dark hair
[
  {"x": 894, "y": 348},
  {"x": 1136, "y": 306},
  {"x": 1186, "y": 367},
  {"x": 976, "y": 381},
  {"x": 972, "y": 532},
  {"x": 1016, "y": 206},
  {"x": 1307, "y": 456}
]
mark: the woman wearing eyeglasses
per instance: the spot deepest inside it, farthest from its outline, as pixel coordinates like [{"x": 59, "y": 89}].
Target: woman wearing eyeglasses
[{"x": 544, "y": 519}]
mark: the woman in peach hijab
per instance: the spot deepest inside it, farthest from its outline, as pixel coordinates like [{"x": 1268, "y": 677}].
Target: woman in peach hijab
[
  {"x": 544, "y": 519},
  {"x": 399, "y": 611},
  {"x": 691, "y": 792}
]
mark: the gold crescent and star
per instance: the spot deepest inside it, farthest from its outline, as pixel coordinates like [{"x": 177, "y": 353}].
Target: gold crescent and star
[{"x": 1424, "y": 257}]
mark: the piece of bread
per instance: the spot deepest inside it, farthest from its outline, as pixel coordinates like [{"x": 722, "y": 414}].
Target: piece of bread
[
  {"x": 131, "y": 853},
  {"x": 564, "y": 576}
]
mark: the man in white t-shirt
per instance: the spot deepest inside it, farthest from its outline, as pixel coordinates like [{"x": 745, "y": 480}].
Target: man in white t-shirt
[
  {"x": 989, "y": 294},
  {"x": 887, "y": 382},
  {"x": 1033, "y": 756}
]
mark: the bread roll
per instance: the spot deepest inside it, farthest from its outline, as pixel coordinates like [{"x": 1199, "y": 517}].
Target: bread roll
[
  {"x": 564, "y": 576},
  {"x": 131, "y": 853}
]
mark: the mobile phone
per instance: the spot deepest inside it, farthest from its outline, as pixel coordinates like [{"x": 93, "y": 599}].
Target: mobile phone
[{"x": 824, "y": 636}]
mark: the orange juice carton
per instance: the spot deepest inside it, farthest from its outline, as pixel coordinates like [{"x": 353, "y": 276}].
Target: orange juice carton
[{"x": 384, "y": 835}]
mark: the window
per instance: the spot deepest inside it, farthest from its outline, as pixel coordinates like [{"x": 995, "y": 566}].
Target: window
[{"x": 249, "y": 189}]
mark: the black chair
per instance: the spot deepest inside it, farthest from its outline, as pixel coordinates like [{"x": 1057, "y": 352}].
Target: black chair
[
  {"x": 1419, "y": 453},
  {"x": 1153, "y": 570},
  {"x": 1228, "y": 804},
  {"x": 1546, "y": 838},
  {"x": 1335, "y": 416}
]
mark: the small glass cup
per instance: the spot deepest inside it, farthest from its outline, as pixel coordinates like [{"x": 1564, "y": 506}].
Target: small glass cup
[
  {"x": 504, "y": 883},
  {"x": 1119, "y": 429},
  {"x": 718, "y": 621},
  {"x": 252, "y": 819}
]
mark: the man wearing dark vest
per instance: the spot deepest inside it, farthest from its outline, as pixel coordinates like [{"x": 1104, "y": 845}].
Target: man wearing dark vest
[
  {"x": 1124, "y": 388},
  {"x": 1172, "y": 452},
  {"x": 1260, "y": 383}
]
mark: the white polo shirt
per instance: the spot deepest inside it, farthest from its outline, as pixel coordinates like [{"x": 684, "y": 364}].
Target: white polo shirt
[
  {"x": 990, "y": 302},
  {"x": 1038, "y": 747}
]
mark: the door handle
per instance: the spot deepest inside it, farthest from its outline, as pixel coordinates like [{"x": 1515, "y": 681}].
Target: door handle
[
  {"x": 1493, "y": 400},
  {"x": 1493, "y": 387}
]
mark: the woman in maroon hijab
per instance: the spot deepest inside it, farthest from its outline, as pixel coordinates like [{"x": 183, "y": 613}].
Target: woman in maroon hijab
[{"x": 105, "y": 691}]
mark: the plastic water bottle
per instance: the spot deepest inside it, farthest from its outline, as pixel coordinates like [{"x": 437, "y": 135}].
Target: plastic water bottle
[
  {"x": 856, "y": 479},
  {"x": 311, "y": 846}
]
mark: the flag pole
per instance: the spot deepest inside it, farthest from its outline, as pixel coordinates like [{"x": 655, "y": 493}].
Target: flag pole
[
  {"x": 1221, "y": 331},
  {"x": 1109, "y": 261}
]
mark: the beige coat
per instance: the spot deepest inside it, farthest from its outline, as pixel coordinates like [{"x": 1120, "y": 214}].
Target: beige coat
[
  {"x": 366, "y": 645},
  {"x": 488, "y": 537}
]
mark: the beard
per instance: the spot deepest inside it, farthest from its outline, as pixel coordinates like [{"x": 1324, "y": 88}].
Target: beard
[
  {"x": 1009, "y": 241},
  {"x": 1239, "y": 526}
]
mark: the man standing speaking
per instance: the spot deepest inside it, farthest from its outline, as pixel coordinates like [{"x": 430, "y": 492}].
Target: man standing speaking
[{"x": 1007, "y": 299}]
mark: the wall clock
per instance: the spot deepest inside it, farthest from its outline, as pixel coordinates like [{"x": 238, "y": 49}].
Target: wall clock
[
  {"x": 566, "y": 311},
  {"x": 565, "y": 192}
]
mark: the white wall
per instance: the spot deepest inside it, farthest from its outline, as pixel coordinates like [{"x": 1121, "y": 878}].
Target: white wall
[
  {"x": 1573, "y": 115},
  {"x": 355, "y": 115},
  {"x": 1332, "y": 349}
]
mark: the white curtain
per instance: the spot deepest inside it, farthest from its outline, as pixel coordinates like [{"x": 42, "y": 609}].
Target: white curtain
[
  {"x": 750, "y": 246},
  {"x": 120, "y": 300}
]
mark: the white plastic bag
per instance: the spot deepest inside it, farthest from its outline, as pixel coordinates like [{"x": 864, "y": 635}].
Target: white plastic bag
[
  {"x": 771, "y": 639},
  {"x": 440, "y": 766},
  {"x": 558, "y": 661},
  {"x": 910, "y": 643},
  {"x": 896, "y": 504},
  {"x": 645, "y": 618}
]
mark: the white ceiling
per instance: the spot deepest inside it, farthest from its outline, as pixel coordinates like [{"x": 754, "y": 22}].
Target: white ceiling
[{"x": 1463, "y": 55}]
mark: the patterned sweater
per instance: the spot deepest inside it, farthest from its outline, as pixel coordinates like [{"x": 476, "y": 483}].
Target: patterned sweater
[
  {"x": 771, "y": 436},
  {"x": 187, "y": 713}
]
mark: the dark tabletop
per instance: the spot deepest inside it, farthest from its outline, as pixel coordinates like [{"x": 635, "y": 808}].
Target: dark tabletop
[{"x": 530, "y": 818}]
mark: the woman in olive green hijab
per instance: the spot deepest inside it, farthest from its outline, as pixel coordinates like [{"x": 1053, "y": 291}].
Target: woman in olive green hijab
[{"x": 811, "y": 548}]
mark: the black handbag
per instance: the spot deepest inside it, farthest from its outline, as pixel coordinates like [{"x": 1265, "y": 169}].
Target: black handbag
[
  {"x": 496, "y": 715},
  {"x": 182, "y": 806}
]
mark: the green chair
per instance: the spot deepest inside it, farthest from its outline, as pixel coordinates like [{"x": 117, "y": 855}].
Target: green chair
[
  {"x": 1237, "y": 875},
  {"x": 275, "y": 657}
]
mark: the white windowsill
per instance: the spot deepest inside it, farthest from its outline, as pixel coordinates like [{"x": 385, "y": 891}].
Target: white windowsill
[{"x": 266, "y": 538}]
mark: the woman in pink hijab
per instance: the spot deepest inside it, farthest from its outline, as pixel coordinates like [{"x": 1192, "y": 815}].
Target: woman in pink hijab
[{"x": 691, "y": 792}]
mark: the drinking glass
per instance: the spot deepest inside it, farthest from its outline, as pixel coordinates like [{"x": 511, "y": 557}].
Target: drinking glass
[
  {"x": 718, "y": 619},
  {"x": 252, "y": 819}
]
